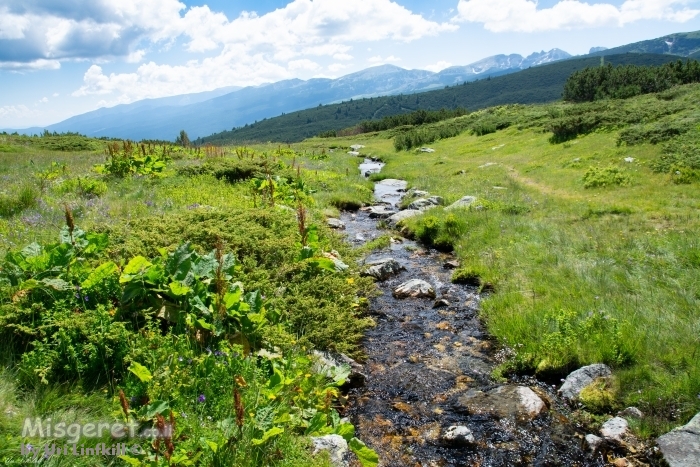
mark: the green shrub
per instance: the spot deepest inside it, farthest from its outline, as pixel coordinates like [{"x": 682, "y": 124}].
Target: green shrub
[
  {"x": 598, "y": 177},
  {"x": 468, "y": 275},
  {"x": 345, "y": 203},
  {"x": 568, "y": 128},
  {"x": 654, "y": 133},
  {"x": 85, "y": 187},
  {"x": 680, "y": 158},
  {"x": 26, "y": 197}
]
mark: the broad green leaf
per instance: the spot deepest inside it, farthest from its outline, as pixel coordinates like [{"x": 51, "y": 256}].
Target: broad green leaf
[
  {"x": 204, "y": 325},
  {"x": 157, "y": 407},
  {"x": 179, "y": 263},
  {"x": 231, "y": 299},
  {"x": 141, "y": 372},
  {"x": 317, "y": 423},
  {"x": 100, "y": 274},
  {"x": 96, "y": 242},
  {"x": 346, "y": 430},
  {"x": 178, "y": 289},
  {"x": 367, "y": 456},
  {"x": 212, "y": 445},
  {"x": 57, "y": 284},
  {"x": 271, "y": 433},
  {"x": 135, "y": 266},
  {"x": 327, "y": 264},
  {"x": 32, "y": 250},
  {"x": 131, "y": 460}
]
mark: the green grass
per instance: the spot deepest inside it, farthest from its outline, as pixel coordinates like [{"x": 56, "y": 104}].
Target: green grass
[
  {"x": 82, "y": 349},
  {"x": 590, "y": 258}
]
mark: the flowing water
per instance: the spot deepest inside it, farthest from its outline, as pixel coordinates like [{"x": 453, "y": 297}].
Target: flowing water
[{"x": 428, "y": 369}]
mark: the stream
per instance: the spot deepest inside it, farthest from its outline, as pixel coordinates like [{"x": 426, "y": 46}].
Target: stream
[{"x": 429, "y": 399}]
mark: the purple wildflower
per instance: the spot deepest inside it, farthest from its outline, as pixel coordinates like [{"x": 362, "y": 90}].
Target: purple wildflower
[{"x": 201, "y": 399}]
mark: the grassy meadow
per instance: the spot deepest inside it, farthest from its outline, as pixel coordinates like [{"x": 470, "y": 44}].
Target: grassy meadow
[
  {"x": 186, "y": 287},
  {"x": 174, "y": 288},
  {"x": 588, "y": 248}
]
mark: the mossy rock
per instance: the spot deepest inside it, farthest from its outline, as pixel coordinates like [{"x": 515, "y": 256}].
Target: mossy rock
[{"x": 600, "y": 396}]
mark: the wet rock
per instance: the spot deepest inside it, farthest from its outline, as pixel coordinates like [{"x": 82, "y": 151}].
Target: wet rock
[
  {"x": 329, "y": 364},
  {"x": 681, "y": 447},
  {"x": 457, "y": 436},
  {"x": 579, "y": 379},
  {"x": 427, "y": 150},
  {"x": 415, "y": 288},
  {"x": 356, "y": 147},
  {"x": 399, "y": 185},
  {"x": 426, "y": 203},
  {"x": 354, "y": 153},
  {"x": 413, "y": 193},
  {"x": 594, "y": 442},
  {"x": 380, "y": 212},
  {"x": 620, "y": 462},
  {"x": 614, "y": 429},
  {"x": 335, "y": 223},
  {"x": 519, "y": 402},
  {"x": 454, "y": 264},
  {"x": 631, "y": 412},
  {"x": 336, "y": 446},
  {"x": 402, "y": 215},
  {"x": 383, "y": 269},
  {"x": 464, "y": 202},
  {"x": 360, "y": 237},
  {"x": 441, "y": 303}
]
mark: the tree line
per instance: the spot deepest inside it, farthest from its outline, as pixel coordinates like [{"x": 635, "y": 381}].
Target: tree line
[{"x": 624, "y": 81}]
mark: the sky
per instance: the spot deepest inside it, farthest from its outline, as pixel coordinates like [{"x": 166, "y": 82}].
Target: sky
[{"x": 60, "y": 58}]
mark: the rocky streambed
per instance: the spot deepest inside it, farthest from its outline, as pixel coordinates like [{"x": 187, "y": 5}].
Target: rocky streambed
[{"x": 428, "y": 398}]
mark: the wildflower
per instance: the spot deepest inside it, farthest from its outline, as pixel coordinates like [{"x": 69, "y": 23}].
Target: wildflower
[
  {"x": 87, "y": 298},
  {"x": 201, "y": 398},
  {"x": 179, "y": 359}
]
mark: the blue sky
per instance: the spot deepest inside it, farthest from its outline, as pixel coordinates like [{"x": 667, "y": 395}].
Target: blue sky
[{"x": 59, "y": 58}]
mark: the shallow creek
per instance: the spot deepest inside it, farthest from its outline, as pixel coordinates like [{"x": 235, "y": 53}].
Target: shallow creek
[{"x": 428, "y": 369}]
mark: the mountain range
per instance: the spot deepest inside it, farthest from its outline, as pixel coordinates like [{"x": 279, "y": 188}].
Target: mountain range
[{"x": 207, "y": 113}]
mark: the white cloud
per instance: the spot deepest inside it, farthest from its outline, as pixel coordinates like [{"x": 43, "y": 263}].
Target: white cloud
[
  {"x": 524, "y": 15},
  {"x": 35, "y": 65},
  {"x": 439, "y": 66},
  {"x": 55, "y": 94},
  {"x": 9, "y": 112},
  {"x": 303, "y": 64},
  {"x": 44, "y": 100},
  {"x": 379, "y": 59},
  {"x": 343, "y": 56},
  {"x": 136, "y": 56},
  {"x": 336, "y": 67},
  {"x": 253, "y": 49}
]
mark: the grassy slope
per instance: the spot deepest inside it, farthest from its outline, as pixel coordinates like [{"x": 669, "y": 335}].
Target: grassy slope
[
  {"x": 581, "y": 275},
  {"x": 534, "y": 85},
  {"x": 142, "y": 214}
]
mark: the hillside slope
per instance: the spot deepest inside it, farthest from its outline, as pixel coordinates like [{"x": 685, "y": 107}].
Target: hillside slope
[
  {"x": 534, "y": 85},
  {"x": 684, "y": 44}
]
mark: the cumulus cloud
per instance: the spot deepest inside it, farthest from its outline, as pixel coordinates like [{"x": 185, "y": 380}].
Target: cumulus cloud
[
  {"x": 379, "y": 59},
  {"x": 336, "y": 67},
  {"x": 10, "y": 112},
  {"x": 439, "y": 66},
  {"x": 253, "y": 49},
  {"x": 525, "y": 16}
]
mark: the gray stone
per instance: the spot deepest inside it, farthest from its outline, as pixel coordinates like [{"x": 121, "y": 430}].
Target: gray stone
[
  {"x": 631, "y": 412},
  {"x": 518, "y": 402},
  {"x": 335, "y": 223},
  {"x": 328, "y": 364},
  {"x": 454, "y": 264},
  {"x": 427, "y": 150},
  {"x": 681, "y": 447},
  {"x": 403, "y": 215},
  {"x": 426, "y": 203},
  {"x": 413, "y": 193},
  {"x": 594, "y": 442},
  {"x": 415, "y": 288},
  {"x": 441, "y": 303},
  {"x": 354, "y": 153},
  {"x": 383, "y": 269},
  {"x": 458, "y": 436},
  {"x": 464, "y": 202},
  {"x": 579, "y": 379},
  {"x": 336, "y": 446},
  {"x": 380, "y": 212},
  {"x": 614, "y": 429},
  {"x": 356, "y": 147}
]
